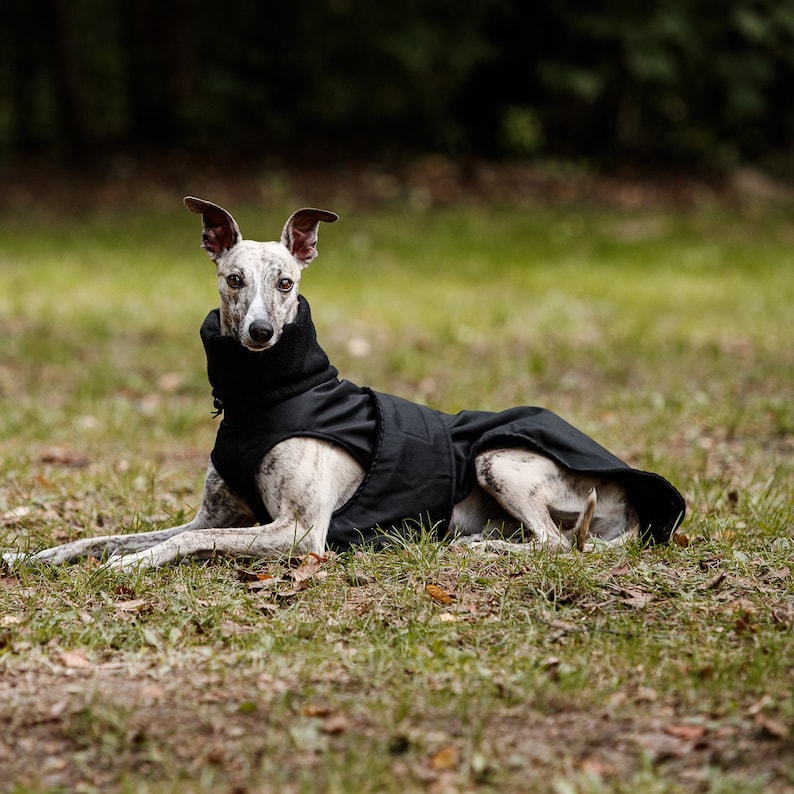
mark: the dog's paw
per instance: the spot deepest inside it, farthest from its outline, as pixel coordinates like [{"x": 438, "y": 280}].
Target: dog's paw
[
  {"x": 16, "y": 559},
  {"x": 503, "y": 546},
  {"x": 127, "y": 562},
  {"x": 468, "y": 540}
]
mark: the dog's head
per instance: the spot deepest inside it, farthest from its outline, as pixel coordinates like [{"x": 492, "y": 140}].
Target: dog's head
[{"x": 258, "y": 282}]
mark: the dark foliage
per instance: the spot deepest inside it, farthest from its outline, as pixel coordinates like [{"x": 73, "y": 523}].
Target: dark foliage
[{"x": 686, "y": 81}]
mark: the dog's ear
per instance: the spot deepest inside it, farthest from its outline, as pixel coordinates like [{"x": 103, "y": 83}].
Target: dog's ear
[
  {"x": 221, "y": 231},
  {"x": 300, "y": 233}
]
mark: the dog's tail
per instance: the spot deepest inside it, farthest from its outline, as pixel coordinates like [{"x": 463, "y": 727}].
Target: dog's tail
[{"x": 582, "y": 526}]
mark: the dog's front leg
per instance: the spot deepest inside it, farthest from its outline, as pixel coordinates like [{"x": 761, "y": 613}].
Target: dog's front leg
[
  {"x": 283, "y": 536},
  {"x": 301, "y": 481},
  {"x": 219, "y": 507}
]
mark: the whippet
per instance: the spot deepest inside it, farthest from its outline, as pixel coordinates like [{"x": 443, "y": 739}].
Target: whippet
[{"x": 303, "y": 460}]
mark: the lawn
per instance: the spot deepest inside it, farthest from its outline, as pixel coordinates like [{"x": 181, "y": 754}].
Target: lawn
[{"x": 663, "y": 332}]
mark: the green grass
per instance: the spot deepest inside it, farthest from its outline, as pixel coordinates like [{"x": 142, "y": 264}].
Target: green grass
[{"x": 665, "y": 335}]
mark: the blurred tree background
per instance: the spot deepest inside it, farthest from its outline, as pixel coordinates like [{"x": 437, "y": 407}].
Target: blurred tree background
[{"x": 701, "y": 83}]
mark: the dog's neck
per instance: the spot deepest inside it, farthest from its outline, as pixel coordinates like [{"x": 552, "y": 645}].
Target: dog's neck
[{"x": 244, "y": 381}]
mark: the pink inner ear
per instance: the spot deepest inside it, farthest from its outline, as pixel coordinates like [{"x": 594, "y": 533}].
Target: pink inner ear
[
  {"x": 217, "y": 239},
  {"x": 303, "y": 244}
]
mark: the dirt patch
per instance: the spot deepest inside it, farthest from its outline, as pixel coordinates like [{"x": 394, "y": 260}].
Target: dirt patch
[{"x": 87, "y": 727}]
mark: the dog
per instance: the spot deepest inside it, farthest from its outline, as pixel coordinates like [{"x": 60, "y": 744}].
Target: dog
[{"x": 303, "y": 460}]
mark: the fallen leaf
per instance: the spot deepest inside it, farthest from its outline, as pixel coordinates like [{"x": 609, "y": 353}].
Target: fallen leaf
[
  {"x": 74, "y": 660},
  {"x": 744, "y": 621},
  {"x": 308, "y": 569},
  {"x": 595, "y": 767},
  {"x": 686, "y": 731},
  {"x": 15, "y": 515},
  {"x": 638, "y": 599},
  {"x": 713, "y": 582},
  {"x": 680, "y": 539},
  {"x": 646, "y": 694},
  {"x": 296, "y": 562},
  {"x": 252, "y": 576},
  {"x": 437, "y": 594},
  {"x": 448, "y": 617},
  {"x": 760, "y": 705},
  {"x": 567, "y": 628},
  {"x": 335, "y": 724},
  {"x": 618, "y": 571},
  {"x": 446, "y": 758},
  {"x": 314, "y": 710},
  {"x": 134, "y": 605},
  {"x": 63, "y": 456},
  {"x": 772, "y": 726},
  {"x": 663, "y": 746},
  {"x": 265, "y": 582},
  {"x": 711, "y": 562}
]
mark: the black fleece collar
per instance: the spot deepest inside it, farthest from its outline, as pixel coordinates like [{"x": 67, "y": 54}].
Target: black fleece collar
[{"x": 243, "y": 381}]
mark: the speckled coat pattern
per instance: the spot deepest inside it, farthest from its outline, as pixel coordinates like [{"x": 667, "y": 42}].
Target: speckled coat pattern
[{"x": 418, "y": 462}]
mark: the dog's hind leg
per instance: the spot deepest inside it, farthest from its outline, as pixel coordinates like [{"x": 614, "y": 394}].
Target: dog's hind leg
[
  {"x": 559, "y": 507},
  {"x": 521, "y": 482}
]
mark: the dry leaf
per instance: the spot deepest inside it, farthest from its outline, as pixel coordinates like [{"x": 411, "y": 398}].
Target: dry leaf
[
  {"x": 335, "y": 723},
  {"x": 680, "y": 539},
  {"x": 437, "y": 594},
  {"x": 636, "y": 598},
  {"x": 63, "y": 456},
  {"x": 760, "y": 705},
  {"x": 772, "y": 726},
  {"x": 135, "y": 605},
  {"x": 313, "y": 710},
  {"x": 266, "y": 581},
  {"x": 688, "y": 732},
  {"x": 595, "y": 767},
  {"x": 448, "y": 617},
  {"x": 646, "y": 694},
  {"x": 308, "y": 569},
  {"x": 252, "y": 576},
  {"x": 446, "y": 758},
  {"x": 15, "y": 515},
  {"x": 744, "y": 622},
  {"x": 74, "y": 660},
  {"x": 561, "y": 625},
  {"x": 713, "y": 582},
  {"x": 662, "y": 745}
]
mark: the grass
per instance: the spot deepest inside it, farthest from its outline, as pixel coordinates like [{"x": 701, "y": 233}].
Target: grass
[{"x": 663, "y": 334}]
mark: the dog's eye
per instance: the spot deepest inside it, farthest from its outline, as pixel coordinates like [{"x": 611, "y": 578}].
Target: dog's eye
[
  {"x": 285, "y": 284},
  {"x": 235, "y": 280}
]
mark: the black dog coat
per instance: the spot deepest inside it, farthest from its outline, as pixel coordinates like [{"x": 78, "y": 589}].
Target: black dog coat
[{"x": 418, "y": 462}]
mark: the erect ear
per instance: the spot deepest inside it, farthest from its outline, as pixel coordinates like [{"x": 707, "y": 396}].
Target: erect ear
[
  {"x": 221, "y": 231},
  {"x": 300, "y": 233}
]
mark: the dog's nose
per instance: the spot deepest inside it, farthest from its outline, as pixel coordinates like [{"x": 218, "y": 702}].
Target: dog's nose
[{"x": 260, "y": 331}]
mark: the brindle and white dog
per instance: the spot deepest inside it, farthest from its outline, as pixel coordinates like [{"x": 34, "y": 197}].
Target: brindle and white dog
[{"x": 303, "y": 481}]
